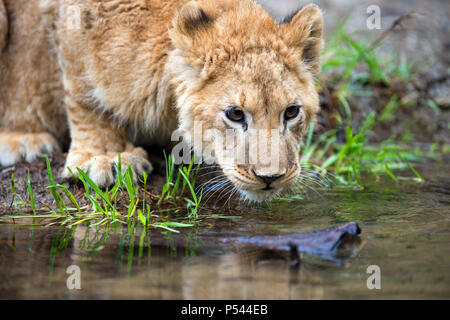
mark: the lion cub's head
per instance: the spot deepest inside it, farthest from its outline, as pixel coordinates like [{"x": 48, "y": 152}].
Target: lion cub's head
[{"x": 245, "y": 89}]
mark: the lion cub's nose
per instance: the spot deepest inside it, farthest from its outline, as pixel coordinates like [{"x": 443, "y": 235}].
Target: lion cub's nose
[{"x": 268, "y": 179}]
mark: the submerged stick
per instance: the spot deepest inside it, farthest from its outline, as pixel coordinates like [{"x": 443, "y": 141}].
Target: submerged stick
[{"x": 323, "y": 243}]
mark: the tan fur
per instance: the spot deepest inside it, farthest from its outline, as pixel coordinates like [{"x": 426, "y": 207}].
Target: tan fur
[
  {"x": 136, "y": 70},
  {"x": 3, "y": 26},
  {"x": 32, "y": 115}
]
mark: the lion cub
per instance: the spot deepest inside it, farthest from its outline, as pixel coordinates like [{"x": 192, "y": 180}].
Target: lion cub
[{"x": 132, "y": 72}]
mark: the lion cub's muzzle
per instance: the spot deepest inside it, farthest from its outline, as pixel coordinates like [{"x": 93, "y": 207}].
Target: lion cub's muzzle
[
  {"x": 260, "y": 183},
  {"x": 268, "y": 177}
]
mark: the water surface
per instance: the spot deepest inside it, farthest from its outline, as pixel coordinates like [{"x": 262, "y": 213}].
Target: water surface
[{"x": 405, "y": 231}]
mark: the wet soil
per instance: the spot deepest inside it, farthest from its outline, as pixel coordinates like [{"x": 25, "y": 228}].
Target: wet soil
[{"x": 40, "y": 182}]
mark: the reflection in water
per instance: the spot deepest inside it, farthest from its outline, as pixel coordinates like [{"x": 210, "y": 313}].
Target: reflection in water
[
  {"x": 405, "y": 232},
  {"x": 115, "y": 264}
]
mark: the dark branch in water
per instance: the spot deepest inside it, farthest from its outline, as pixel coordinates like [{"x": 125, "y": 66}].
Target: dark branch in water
[{"x": 325, "y": 243}]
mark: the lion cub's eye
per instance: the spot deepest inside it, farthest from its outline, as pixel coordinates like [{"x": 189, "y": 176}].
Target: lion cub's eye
[
  {"x": 235, "y": 114},
  {"x": 291, "y": 112}
]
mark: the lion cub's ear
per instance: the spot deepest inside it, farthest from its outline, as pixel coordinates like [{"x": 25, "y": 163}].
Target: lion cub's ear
[
  {"x": 191, "y": 19},
  {"x": 191, "y": 26},
  {"x": 304, "y": 31}
]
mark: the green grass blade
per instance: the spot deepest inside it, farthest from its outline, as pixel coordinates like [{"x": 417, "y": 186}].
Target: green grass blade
[{"x": 31, "y": 193}]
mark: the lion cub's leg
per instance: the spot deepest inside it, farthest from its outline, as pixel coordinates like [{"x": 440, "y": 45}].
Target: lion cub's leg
[
  {"x": 16, "y": 146},
  {"x": 96, "y": 145}
]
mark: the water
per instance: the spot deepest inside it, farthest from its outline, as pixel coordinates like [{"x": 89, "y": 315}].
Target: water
[{"x": 405, "y": 231}]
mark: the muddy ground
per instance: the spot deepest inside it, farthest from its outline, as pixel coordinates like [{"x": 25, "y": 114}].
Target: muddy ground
[{"x": 40, "y": 182}]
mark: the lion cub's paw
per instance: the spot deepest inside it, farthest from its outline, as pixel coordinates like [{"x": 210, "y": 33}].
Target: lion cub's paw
[
  {"x": 18, "y": 146},
  {"x": 102, "y": 169}
]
